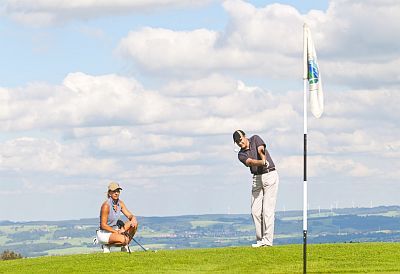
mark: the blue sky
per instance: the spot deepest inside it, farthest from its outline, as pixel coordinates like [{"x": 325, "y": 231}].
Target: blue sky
[
  {"x": 42, "y": 50},
  {"x": 148, "y": 93}
]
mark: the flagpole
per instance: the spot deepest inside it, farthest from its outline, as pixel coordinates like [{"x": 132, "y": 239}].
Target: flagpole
[{"x": 305, "y": 78}]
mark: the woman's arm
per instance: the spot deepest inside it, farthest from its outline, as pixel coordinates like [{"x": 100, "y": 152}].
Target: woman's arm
[
  {"x": 128, "y": 214},
  {"x": 105, "y": 209}
]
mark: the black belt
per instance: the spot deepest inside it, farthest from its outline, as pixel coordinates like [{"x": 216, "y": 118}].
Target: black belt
[{"x": 268, "y": 170}]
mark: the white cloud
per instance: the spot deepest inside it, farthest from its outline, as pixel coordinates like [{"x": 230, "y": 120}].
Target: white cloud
[
  {"x": 161, "y": 49},
  {"x": 325, "y": 166},
  {"x": 211, "y": 85},
  {"x": 103, "y": 123},
  {"x": 155, "y": 174},
  {"x": 356, "y": 41},
  {"x": 172, "y": 157},
  {"x": 197, "y": 52},
  {"x": 97, "y": 138},
  {"x": 256, "y": 41},
  {"x": 263, "y": 29},
  {"x": 361, "y": 29},
  {"x": 27, "y": 154},
  {"x": 268, "y": 41},
  {"x": 110, "y": 100},
  {"x": 363, "y": 73},
  {"x": 83, "y": 100},
  {"x": 48, "y": 12},
  {"x": 104, "y": 116},
  {"x": 133, "y": 142}
]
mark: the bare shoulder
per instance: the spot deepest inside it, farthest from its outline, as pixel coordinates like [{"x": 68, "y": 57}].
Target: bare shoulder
[
  {"x": 105, "y": 205},
  {"x": 121, "y": 203}
]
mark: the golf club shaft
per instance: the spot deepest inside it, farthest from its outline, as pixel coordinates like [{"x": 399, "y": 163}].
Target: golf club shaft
[{"x": 139, "y": 244}]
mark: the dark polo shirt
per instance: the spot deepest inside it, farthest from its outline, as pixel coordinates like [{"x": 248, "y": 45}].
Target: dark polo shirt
[{"x": 255, "y": 141}]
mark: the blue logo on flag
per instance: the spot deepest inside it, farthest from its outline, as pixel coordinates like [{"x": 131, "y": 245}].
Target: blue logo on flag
[{"x": 313, "y": 73}]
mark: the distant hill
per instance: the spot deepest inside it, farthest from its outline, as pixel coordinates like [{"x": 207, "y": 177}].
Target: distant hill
[{"x": 378, "y": 224}]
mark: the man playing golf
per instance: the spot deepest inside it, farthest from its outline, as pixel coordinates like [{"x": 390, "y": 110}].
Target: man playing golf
[{"x": 265, "y": 185}]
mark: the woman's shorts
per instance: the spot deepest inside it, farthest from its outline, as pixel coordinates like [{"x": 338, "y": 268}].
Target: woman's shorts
[{"x": 103, "y": 236}]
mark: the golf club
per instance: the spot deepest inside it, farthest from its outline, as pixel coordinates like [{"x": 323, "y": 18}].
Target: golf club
[
  {"x": 139, "y": 244},
  {"x": 121, "y": 224}
]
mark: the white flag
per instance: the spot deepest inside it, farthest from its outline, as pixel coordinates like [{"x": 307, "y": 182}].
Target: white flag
[{"x": 314, "y": 77}]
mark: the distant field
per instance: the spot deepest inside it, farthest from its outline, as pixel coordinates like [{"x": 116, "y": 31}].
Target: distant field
[
  {"x": 322, "y": 258},
  {"x": 196, "y": 224},
  {"x": 393, "y": 213},
  {"x": 25, "y": 228},
  {"x": 41, "y": 238}
]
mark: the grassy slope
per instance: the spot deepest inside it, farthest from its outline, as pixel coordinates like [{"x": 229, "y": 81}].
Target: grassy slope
[{"x": 323, "y": 258}]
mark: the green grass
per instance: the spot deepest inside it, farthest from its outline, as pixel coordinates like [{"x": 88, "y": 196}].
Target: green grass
[
  {"x": 322, "y": 258},
  {"x": 68, "y": 251}
]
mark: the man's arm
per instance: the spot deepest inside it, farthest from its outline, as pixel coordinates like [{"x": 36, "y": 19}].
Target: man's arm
[
  {"x": 261, "y": 152},
  {"x": 255, "y": 162}
]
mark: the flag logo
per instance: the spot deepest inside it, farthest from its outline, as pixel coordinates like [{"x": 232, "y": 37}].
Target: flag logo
[{"x": 313, "y": 75}]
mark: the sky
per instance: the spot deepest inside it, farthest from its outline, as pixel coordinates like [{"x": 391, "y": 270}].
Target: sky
[{"x": 148, "y": 94}]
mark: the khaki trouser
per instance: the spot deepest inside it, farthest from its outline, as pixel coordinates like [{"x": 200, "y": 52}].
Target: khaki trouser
[{"x": 263, "y": 200}]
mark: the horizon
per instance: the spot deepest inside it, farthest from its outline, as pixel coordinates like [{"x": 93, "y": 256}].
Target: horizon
[{"x": 205, "y": 214}]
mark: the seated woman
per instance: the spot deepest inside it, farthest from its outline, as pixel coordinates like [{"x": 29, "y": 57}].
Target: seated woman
[{"x": 109, "y": 232}]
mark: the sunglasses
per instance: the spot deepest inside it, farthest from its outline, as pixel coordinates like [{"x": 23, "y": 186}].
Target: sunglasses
[{"x": 117, "y": 190}]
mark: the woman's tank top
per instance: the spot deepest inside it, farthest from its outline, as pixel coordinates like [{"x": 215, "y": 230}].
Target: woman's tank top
[{"x": 113, "y": 215}]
